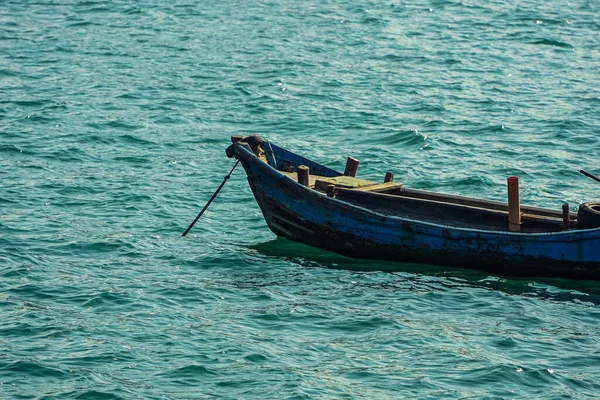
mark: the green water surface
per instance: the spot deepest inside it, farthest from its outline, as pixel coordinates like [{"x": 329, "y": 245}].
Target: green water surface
[{"x": 114, "y": 117}]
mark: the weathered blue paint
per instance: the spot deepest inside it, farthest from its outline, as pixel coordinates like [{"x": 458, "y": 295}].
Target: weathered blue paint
[{"x": 302, "y": 214}]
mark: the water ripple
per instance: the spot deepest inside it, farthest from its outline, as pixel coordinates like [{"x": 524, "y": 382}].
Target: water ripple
[{"x": 113, "y": 124}]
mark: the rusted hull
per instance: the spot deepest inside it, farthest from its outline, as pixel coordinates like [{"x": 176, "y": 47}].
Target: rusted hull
[{"x": 304, "y": 215}]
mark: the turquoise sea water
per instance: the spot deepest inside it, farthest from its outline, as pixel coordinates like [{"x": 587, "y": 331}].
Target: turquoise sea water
[{"x": 114, "y": 117}]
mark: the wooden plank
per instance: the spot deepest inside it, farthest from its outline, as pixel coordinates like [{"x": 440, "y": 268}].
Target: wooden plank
[
  {"x": 321, "y": 183},
  {"x": 541, "y": 218},
  {"x": 380, "y": 187},
  {"x": 342, "y": 181}
]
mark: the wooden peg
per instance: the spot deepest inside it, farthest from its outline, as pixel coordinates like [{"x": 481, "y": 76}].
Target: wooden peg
[
  {"x": 303, "y": 174},
  {"x": 330, "y": 190},
  {"x": 351, "y": 167},
  {"x": 389, "y": 177},
  {"x": 565, "y": 215},
  {"x": 514, "y": 206}
]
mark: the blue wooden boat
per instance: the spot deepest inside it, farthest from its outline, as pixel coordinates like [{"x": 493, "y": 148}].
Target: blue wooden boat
[{"x": 370, "y": 220}]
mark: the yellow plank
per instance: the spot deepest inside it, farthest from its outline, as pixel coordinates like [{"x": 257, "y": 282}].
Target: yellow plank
[
  {"x": 342, "y": 181},
  {"x": 380, "y": 187},
  {"x": 322, "y": 182}
]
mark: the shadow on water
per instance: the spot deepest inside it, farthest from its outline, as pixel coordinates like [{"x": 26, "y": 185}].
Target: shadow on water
[{"x": 555, "y": 289}]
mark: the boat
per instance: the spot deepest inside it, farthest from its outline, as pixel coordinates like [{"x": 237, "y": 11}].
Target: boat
[{"x": 310, "y": 203}]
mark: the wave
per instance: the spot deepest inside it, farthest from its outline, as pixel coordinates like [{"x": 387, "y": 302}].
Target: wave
[{"x": 553, "y": 43}]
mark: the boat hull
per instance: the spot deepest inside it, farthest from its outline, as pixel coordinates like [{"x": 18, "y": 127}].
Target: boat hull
[{"x": 298, "y": 213}]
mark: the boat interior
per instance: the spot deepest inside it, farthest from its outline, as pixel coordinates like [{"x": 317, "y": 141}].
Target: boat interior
[{"x": 392, "y": 199}]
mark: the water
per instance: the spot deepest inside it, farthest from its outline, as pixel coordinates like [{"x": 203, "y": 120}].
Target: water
[{"x": 114, "y": 117}]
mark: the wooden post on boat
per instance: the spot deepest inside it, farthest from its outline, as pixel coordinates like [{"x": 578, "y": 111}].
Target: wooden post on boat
[
  {"x": 351, "y": 167},
  {"x": 330, "y": 190},
  {"x": 389, "y": 177},
  {"x": 565, "y": 215},
  {"x": 303, "y": 174},
  {"x": 514, "y": 206}
]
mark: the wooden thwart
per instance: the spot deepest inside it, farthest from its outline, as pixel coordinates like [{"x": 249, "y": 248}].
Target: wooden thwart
[
  {"x": 321, "y": 183},
  {"x": 380, "y": 187},
  {"x": 341, "y": 181}
]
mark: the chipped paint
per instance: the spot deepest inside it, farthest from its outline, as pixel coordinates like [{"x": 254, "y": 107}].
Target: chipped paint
[{"x": 301, "y": 214}]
